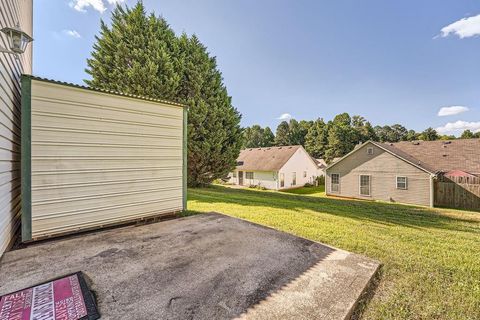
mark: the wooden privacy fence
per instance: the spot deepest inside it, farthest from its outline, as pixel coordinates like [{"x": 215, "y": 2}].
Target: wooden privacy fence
[{"x": 458, "y": 193}]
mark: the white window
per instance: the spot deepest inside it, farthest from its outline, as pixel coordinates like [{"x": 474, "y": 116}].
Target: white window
[
  {"x": 364, "y": 185},
  {"x": 282, "y": 180},
  {"x": 370, "y": 151},
  {"x": 234, "y": 174},
  {"x": 248, "y": 175},
  {"x": 294, "y": 178},
  {"x": 335, "y": 182},
  {"x": 402, "y": 183},
  {"x": 304, "y": 174}
]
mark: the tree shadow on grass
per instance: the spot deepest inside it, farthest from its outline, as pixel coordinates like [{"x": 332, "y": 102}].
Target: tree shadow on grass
[{"x": 385, "y": 213}]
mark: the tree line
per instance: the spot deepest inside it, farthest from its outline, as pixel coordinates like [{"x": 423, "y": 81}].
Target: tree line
[{"x": 336, "y": 137}]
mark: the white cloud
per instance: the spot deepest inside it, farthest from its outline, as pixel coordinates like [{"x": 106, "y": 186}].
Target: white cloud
[
  {"x": 72, "y": 33},
  {"x": 463, "y": 28},
  {"x": 451, "y": 111},
  {"x": 458, "y": 127},
  {"x": 81, "y": 5},
  {"x": 285, "y": 116},
  {"x": 99, "y": 5}
]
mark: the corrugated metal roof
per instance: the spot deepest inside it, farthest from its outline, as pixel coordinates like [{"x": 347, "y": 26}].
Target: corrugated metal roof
[{"x": 105, "y": 91}]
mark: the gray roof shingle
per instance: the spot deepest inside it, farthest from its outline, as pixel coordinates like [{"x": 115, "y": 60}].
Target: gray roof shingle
[
  {"x": 440, "y": 155},
  {"x": 265, "y": 159}
]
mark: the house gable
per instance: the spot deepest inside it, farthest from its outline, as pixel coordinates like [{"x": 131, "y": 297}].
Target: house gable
[
  {"x": 299, "y": 153},
  {"x": 396, "y": 153}
]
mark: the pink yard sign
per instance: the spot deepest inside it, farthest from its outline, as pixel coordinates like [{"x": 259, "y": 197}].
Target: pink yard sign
[{"x": 60, "y": 299}]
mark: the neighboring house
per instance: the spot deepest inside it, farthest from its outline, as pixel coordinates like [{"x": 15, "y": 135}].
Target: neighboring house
[
  {"x": 275, "y": 168},
  {"x": 11, "y": 68},
  {"x": 401, "y": 172}
]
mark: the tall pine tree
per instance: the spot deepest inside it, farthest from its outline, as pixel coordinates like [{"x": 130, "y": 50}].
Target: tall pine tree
[
  {"x": 316, "y": 141},
  {"x": 141, "y": 55},
  {"x": 282, "y": 136}
]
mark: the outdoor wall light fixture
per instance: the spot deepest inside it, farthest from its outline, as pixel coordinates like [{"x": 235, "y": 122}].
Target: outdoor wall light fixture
[{"x": 17, "y": 40}]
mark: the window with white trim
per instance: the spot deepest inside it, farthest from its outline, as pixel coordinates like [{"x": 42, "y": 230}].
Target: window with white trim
[
  {"x": 334, "y": 182},
  {"x": 282, "y": 180},
  {"x": 370, "y": 151},
  {"x": 248, "y": 175},
  {"x": 402, "y": 183},
  {"x": 234, "y": 174},
  {"x": 294, "y": 178},
  {"x": 304, "y": 174},
  {"x": 364, "y": 185}
]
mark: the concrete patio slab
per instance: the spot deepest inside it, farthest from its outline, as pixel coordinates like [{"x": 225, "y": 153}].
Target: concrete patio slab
[{"x": 207, "y": 266}]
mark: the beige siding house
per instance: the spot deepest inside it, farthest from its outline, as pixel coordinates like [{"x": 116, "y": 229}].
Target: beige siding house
[
  {"x": 11, "y": 13},
  {"x": 93, "y": 158},
  {"x": 275, "y": 168},
  {"x": 401, "y": 172},
  {"x": 373, "y": 172}
]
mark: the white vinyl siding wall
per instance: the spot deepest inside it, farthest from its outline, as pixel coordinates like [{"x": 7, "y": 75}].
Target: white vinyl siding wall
[
  {"x": 265, "y": 179},
  {"x": 295, "y": 167},
  {"x": 11, "y": 13},
  {"x": 100, "y": 159}
]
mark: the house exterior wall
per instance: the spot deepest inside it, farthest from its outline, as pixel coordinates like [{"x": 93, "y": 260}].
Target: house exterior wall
[
  {"x": 11, "y": 13},
  {"x": 99, "y": 159},
  {"x": 265, "y": 179},
  {"x": 299, "y": 163},
  {"x": 383, "y": 169}
]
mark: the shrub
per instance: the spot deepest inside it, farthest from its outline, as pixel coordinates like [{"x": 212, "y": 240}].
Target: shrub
[{"x": 320, "y": 180}]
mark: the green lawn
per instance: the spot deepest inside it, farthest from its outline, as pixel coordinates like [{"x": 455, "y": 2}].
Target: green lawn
[{"x": 431, "y": 258}]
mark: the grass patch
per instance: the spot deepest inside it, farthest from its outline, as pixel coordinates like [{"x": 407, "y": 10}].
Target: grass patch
[
  {"x": 313, "y": 191},
  {"x": 431, "y": 257}
]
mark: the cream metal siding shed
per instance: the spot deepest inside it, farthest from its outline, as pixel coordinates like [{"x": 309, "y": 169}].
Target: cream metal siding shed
[
  {"x": 93, "y": 158},
  {"x": 11, "y": 13}
]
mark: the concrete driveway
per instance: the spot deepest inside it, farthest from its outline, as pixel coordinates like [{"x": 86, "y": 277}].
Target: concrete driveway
[{"x": 207, "y": 266}]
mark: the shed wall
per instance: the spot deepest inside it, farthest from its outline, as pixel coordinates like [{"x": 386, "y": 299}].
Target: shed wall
[
  {"x": 383, "y": 169},
  {"x": 100, "y": 159},
  {"x": 11, "y": 13}
]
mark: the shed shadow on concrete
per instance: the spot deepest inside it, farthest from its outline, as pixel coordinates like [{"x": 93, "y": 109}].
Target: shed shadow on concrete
[{"x": 208, "y": 266}]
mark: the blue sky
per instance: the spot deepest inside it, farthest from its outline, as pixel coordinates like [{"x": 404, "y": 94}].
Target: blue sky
[{"x": 390, "y": 61}]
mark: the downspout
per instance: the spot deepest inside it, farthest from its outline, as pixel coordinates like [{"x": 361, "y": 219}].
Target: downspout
[
  {"x": 432, "y": 191},
  {"x": 325, "y": 181}
]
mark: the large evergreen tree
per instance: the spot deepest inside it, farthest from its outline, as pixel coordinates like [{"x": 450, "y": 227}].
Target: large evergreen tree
[
  {"x": 214, "y": 133},
  {"x": 341, "y": 137},
  {"x": 253, "y": 137},
  {"x": 282, "y": 135},
  {"x": 316, "y": 141},
  {"x": 268, "y": 137},
  {"x": 140, "y": 54},
  {"x": 257, "y": 137}
]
